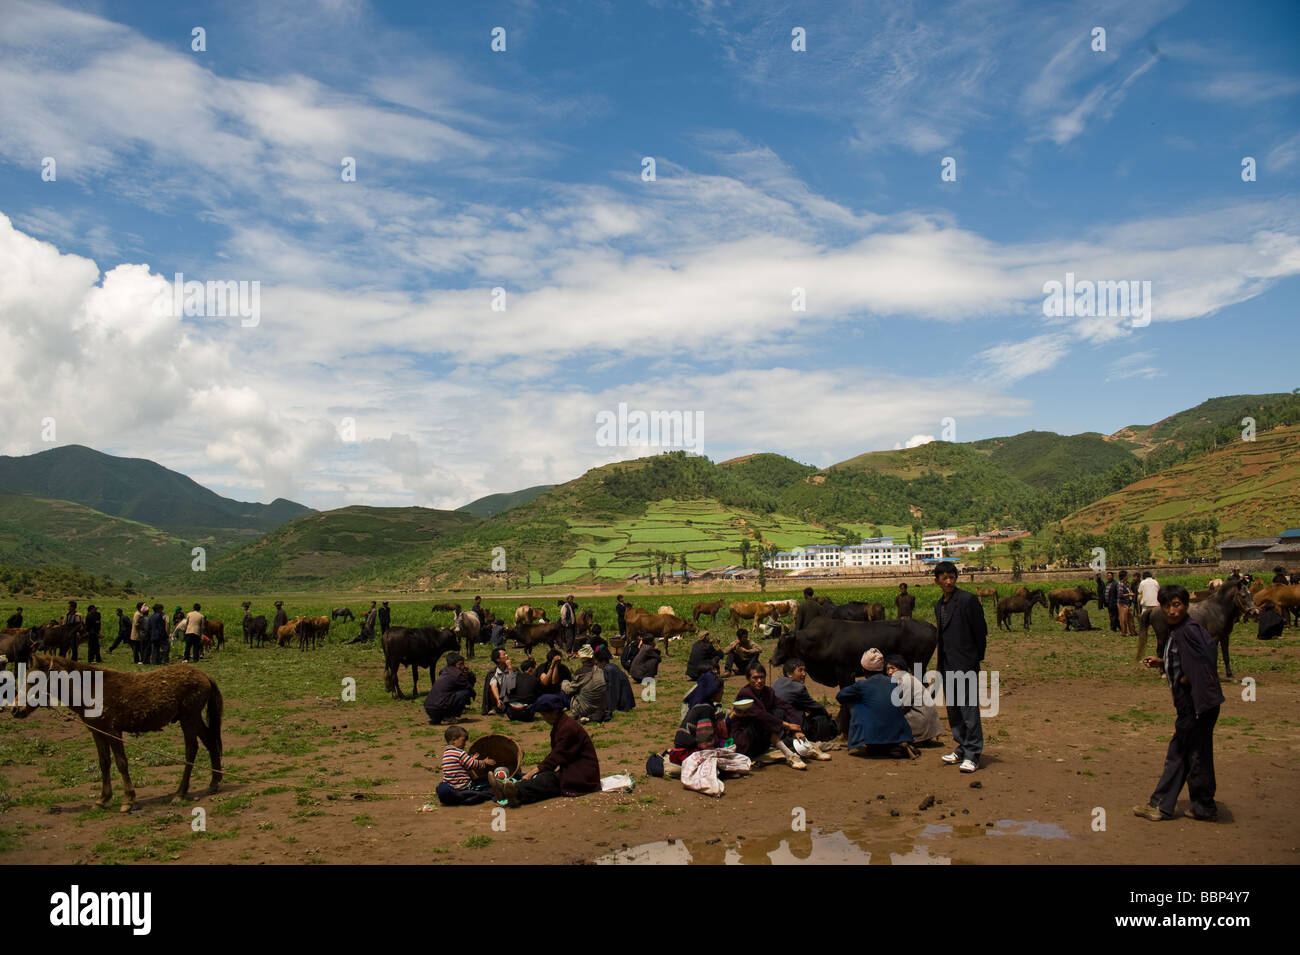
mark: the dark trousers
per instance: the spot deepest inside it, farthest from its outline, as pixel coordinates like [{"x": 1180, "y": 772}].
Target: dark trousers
[
  {"x": 459, "y": 700},
  {"x": 92, "y": 649},
  {"x": 1190, "y": 760},
  {"x": 449, "y": 795},
  {"x": 120, "y": 639},
  {"x": 193, "y": 642},
  {"x": 1113, "y": 610},
  {"x": 545, "y": 785},
  {"x": 964, "y": 720},
  {"x": 139, "y": 651},
  {"x": 160, "y": 651},
  {"x": 520, "y": 713},
  {"x": 740, "y": 663},
  {"x": 569, "y": 638}
]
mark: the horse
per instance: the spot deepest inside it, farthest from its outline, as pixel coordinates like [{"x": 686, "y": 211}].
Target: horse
[
  {"x": 1019, "y": 603},
  {"x": 59, "y": 637},
  {"x": 711, "y": 610},
  {"x": 987, "y": 592},
  {"x": 215, "y": 631},
  {"x": 141, "y": 703},
  {"x": 342, "y": 613},
  {"x": 1217, "y": 613},
  {"x": 1074, "y": 597},
  {"x": 254, "y": 627}
]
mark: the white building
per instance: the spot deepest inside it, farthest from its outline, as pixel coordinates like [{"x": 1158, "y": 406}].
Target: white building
[
  {"x": 944, "y": 537},
  {"x": 965, "y": 545},
  {"x": 873, "y": 552}
]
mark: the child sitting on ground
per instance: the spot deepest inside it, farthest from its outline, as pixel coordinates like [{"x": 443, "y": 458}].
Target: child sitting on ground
[{"x": 463, "y": 776}]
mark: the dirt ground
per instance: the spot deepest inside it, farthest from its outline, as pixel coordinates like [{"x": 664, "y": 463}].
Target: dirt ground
[{"x": 1079, "y": 740}]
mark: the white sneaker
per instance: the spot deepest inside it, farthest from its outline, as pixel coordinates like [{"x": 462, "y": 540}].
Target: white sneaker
[
  {"x": 951, "y": 758},
  {"x": 968, "y": 766},
  {"x": 796, "y": 763}
]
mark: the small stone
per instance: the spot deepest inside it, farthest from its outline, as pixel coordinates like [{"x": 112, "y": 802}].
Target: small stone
[
  {"x": 926, "y": 803},
  {"x": 965, "y": 812},
  {"x": 893, "y": 812},
  {"x": 977, "y": 785},
  {"x": 881, "y": 796}
]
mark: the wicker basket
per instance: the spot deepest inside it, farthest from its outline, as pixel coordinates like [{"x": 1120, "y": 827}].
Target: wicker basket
[{"x": 505, "y": 751}]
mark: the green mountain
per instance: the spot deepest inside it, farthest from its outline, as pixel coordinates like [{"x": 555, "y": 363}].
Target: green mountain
[
  {"x": 495, "y": 504},
  {"x": 1046, "y": 460},
  {"x": 138, "y": 490}
]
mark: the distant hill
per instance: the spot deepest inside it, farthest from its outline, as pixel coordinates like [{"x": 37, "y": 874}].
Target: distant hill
[
  {"x": 1252, "y": 487},
  {"x": 138, "y": 490},
  {"x": 1046, "y": 460},
  {"x": 495, "y": 504},
  {"x": 1198, "y": 425}
]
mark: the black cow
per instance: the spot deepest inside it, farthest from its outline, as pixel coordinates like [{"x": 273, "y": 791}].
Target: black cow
[
  {"x": 414, "y": 647},
  {"x": 832, "y": 649},
  {"x": 16, "y": 644},
  {"x": 254, "y": 627}
]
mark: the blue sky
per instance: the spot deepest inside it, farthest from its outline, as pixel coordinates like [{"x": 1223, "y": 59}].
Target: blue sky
[{"x": 522, "y": 170}]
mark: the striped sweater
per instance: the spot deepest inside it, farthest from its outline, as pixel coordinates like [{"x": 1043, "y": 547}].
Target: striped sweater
[{"x": 456, "y": 764}]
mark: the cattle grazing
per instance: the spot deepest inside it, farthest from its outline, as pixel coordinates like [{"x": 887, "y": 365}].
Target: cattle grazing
[
  {"x": 16, "y": 646},
  {"x": 985, "y": 592},
  {"x": 61, "y": 638},
  {"x": 709, "y": 610},
  {"x": 1068, "y": 597},
  {"x": 454, "y": 608},
  {"x": 1019, "y": 603},
  {"x": 832, "y": 649},
  {"x": 528, "y": 635},
  {"x": 1216, "y": 614},
  {"x": 142, "y": 703},
  {"x": 342, "y": 613},
  {"x": 287, "y": 632},
  {"x": 414, "y": 647},
  {"x": 215, "y": 631},
  {"x": 311, "y": 629},
  {"x": 664, "y": 625},
  {"x": 526, "y": 614},
  {"x": 785, "y": 608},
  {"x": 1286, "y": 597},
  {"x": 254, "y": 627},
  {"x": 469, "y": 627},
  {"x": 755, "y": 610},
  {"x": 668, "y": 610}
]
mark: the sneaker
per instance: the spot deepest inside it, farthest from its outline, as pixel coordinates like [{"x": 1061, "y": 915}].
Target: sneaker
[
  {"x": 1150, "y": 812},
  {"x": 952, "y": 759},
  {"x": 796, "y": 763},
  {"x": 969, "y": 766},
  {"x": 1201, "y": 816},
  {"x": 818, "y": 754}
]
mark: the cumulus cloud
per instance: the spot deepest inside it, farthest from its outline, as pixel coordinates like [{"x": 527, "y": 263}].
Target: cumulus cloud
[{"x": 915, "y": 441}]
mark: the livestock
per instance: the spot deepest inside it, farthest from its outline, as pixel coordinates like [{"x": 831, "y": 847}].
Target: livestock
[
  {"x": 754, "y": 610},
  {"x": 1284, "y": 596},
  {"x": 342, "y": 613},
  {"x": 785, "y": 608},
  {"x": 254, "y": 627},
  {"x": 55, "y": 637},
  {"x": 664, "y": 625},
  {"x": 1019, "y": 603},
  {"x": 711, "y": 610},
  {"x": 469, "y": 627},
  {"x": 1217, "y": 614},
  {"x": 586, "y": 619},
  {"x": 832, "y": 649},
  {"x": 287, "y": 632},
  {"x": 1068, "y": 597},
  {"x": 414, "y": 647},
  {"x": 875, "y": 611},
  {"x": 528, "y": 635},
  {"x": 987, "y": 592},
  {"x": 454, "y": 608},
  {"x": 311, "y": 629},
  {"x": 526, "y": 614},
  {"x": 16, "y": 646},
  {"x": 143, "y": 702},
  {"x": 215, "y": 631}
]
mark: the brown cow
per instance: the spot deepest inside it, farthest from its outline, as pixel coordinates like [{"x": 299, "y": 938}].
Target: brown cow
[
  {"x": 710, "y": 609},
  {"x": 526, "y": 614},
  {"x": 753, "y": 610},
  {"x": 1284, "y": 596},
  {"x": 528, "y": 635},
  {"x": 16, "y": 645},
  {"x": 311, "y": 629},
  {"x": 62, "y": 638},
  {"x": 215, "y": 631},
  {"x": 664, "y": 625},
  {"x": 287, "y": 632},
  {"x": 585, "y": 619},
  {"x": 987, "y": 592}
]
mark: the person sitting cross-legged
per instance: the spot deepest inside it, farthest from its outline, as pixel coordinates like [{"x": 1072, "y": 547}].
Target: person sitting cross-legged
[
  {"x": 572, "y": 767},
  {"x": 462, "y": 783}
]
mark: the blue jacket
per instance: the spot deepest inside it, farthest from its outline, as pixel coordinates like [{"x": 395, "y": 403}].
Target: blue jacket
[{"x": 875, "y": 718}]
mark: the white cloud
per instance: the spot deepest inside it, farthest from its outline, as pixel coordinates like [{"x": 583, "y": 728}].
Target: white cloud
[{"x": 915, "y": 441}]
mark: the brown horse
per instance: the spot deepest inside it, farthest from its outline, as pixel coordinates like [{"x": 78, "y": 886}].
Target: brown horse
[
  {"x": 1068, "y": 597},
  {"x": 215, "y": 631},
  {"x": 987, "y": 592},
  {"x": 56, "y": 637},
  {"x": 711, "y": 610},
  {"x": 1217, "y": 613},
  {"x": 1019, "y": 603},
  {"x": 142, "y": 703}
]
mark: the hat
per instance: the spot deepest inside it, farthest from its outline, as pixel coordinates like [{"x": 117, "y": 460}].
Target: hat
[
  {"x": 585, "y": 652},
  {"x": 453, "y": 659},
  {"x": 548, "y": 703},
  {"x": 873, "y": 661}
]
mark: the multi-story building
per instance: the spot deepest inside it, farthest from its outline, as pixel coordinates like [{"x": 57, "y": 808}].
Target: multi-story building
[{"x": 872, "y": 552}]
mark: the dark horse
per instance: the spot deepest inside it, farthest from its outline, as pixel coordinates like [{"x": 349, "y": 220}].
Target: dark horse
[
  {"x": 254, "y": 627},
  {"x": 342, "y": 613},
  {"x": 1216, "y": 613},
  {"x": 1019, "y": 603},
  {"x": 141, "y": 703}
]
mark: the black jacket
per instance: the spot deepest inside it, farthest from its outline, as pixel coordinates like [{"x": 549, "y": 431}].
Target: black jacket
[
  {"x": 808, "y": 610},
  {"x": 963, "y": 632}
]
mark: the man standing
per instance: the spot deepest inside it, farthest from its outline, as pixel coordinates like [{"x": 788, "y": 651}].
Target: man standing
[
  {"x": 123, "y": 630},
  {"x": 157, "y": 632},
  {"x": 140, "y": 634},
  {"x": 1149, "y": 598},
  {"x": 620, "y": 611},
  {"x": 1101, "y": 593},
  {"x": 1190, "y": 665},
  {"x": 1125, "y": 606},
  {"x": 477, "y": 608},
  {"x": 1112, "y": 600},
  {"x": 194, "y": 621},
  {"x": 570, "y": 769},
  {"x": 905, "y": 603},
  {"x": 93, "y": 625},
  {"x": 807, "y": 611},
  {"x": 16, "y": 618},
  {"x": 281, "y": 618},
  {"x": 568, "y": 624},
  {"x": 71, "y": 619},
  {"x": 385, "y": 617},
  {"x": 963, "y": 636}
]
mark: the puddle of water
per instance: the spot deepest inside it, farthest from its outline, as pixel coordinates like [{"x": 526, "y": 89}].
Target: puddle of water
[
  {"x": 920, "y": 855},
  {"x": 652, "y": 853},
  {"x": 1040, "y": 830},
  {"x": 814, "y": 848},
  {"x": 832, "y": 848}
]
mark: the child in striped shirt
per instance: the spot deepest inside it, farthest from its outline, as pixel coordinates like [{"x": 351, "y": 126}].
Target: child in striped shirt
[{"x": 462, "y": 774}]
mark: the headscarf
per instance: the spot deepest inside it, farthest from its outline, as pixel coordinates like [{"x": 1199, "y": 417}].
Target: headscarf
[
  {"x": 705, "y": 689},
  {"x": 873, "y": 661}
]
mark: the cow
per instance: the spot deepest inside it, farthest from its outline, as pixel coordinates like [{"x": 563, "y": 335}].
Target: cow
[
  {"x": 56, "y": 637},
  {"x": 984, "y": 592},
  {"x": 585, "y": 621},
  {"x": 16, "y": 646},
  {"x": 469, "y": 626},
  {"x": 526, "y": 614},
  {"x": 711, "y": 610},
  {"x": 215, "y": 631},
  {"x": 1068, "y": 597},
  {"x": 832, "y": 649},
  {"x": 785, "y": 608},
  {"x": 1019, "y": 604},
  {"x": 287, "y": 632},
  {"x": 853, "y": 610},
  {"x": 875, "y": 611},
  {"x": 754, "y": 610},
  {"x": 311, "y": 629},
  {"x": 254, "y": 627},
  {"x": 454, "y": 608},
  {"x": 664, "y": 625},
  {"x": 528, "y": 635},
  {"x": 1286, "y": 597},
  {"x": 343, "y": 613},
  {"x": 414, "y": 647}
]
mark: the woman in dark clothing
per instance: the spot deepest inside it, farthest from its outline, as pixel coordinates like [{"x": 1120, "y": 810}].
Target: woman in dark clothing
[
  {"x": 570, "y": 769},
  {"x": 527, "y": 689},
  {"x": 646, "y": 663},
  {"x": 764, "y": 723},
  {"x": 705, "y": 655},
  {"x": 452, "y": 691}
]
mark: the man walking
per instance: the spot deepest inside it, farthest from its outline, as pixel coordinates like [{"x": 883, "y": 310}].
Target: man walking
[
  {"x": 123, "y": 630},
  {"x": 1149, "y": 599},
  {"x": 1112, "y": 600},
  {"x": 1126, "y": 625},
  {"x": 963, "y": 636},
  {"x": 905, "y": 602}
]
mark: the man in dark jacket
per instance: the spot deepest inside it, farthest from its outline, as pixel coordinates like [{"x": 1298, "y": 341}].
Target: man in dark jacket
[
  {"x": 792, "y": 690},
  {"x": 905, "y": 602},
  {"x": 1270, "y": 621},
  {"x": 570, "y": 769},
  {"x": 452, "y": 691},
  {"x": 807, "y": 611},
  {"x": 1112, "y": 600},
  {"x": 963, "y": 637},
  {"x": 1101, "y": 593},
  {"x": 1077, "y": 619},
  {"x": 705, "y": 654},
  {"x": 527, "y": 689},
  {"x": 1190, "y": 665},
  {"x": 281, "y": 618},
  {"x": 618, "y": 691},
  {"x": 93, "y": 625},
  {"x": 385, "y": 618},
  {"x": 620, "y": 611},
  {"x": 15, "y": 619},
  {"x": 157, "y": 632},
  {"x": 123, "y": 630}
]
